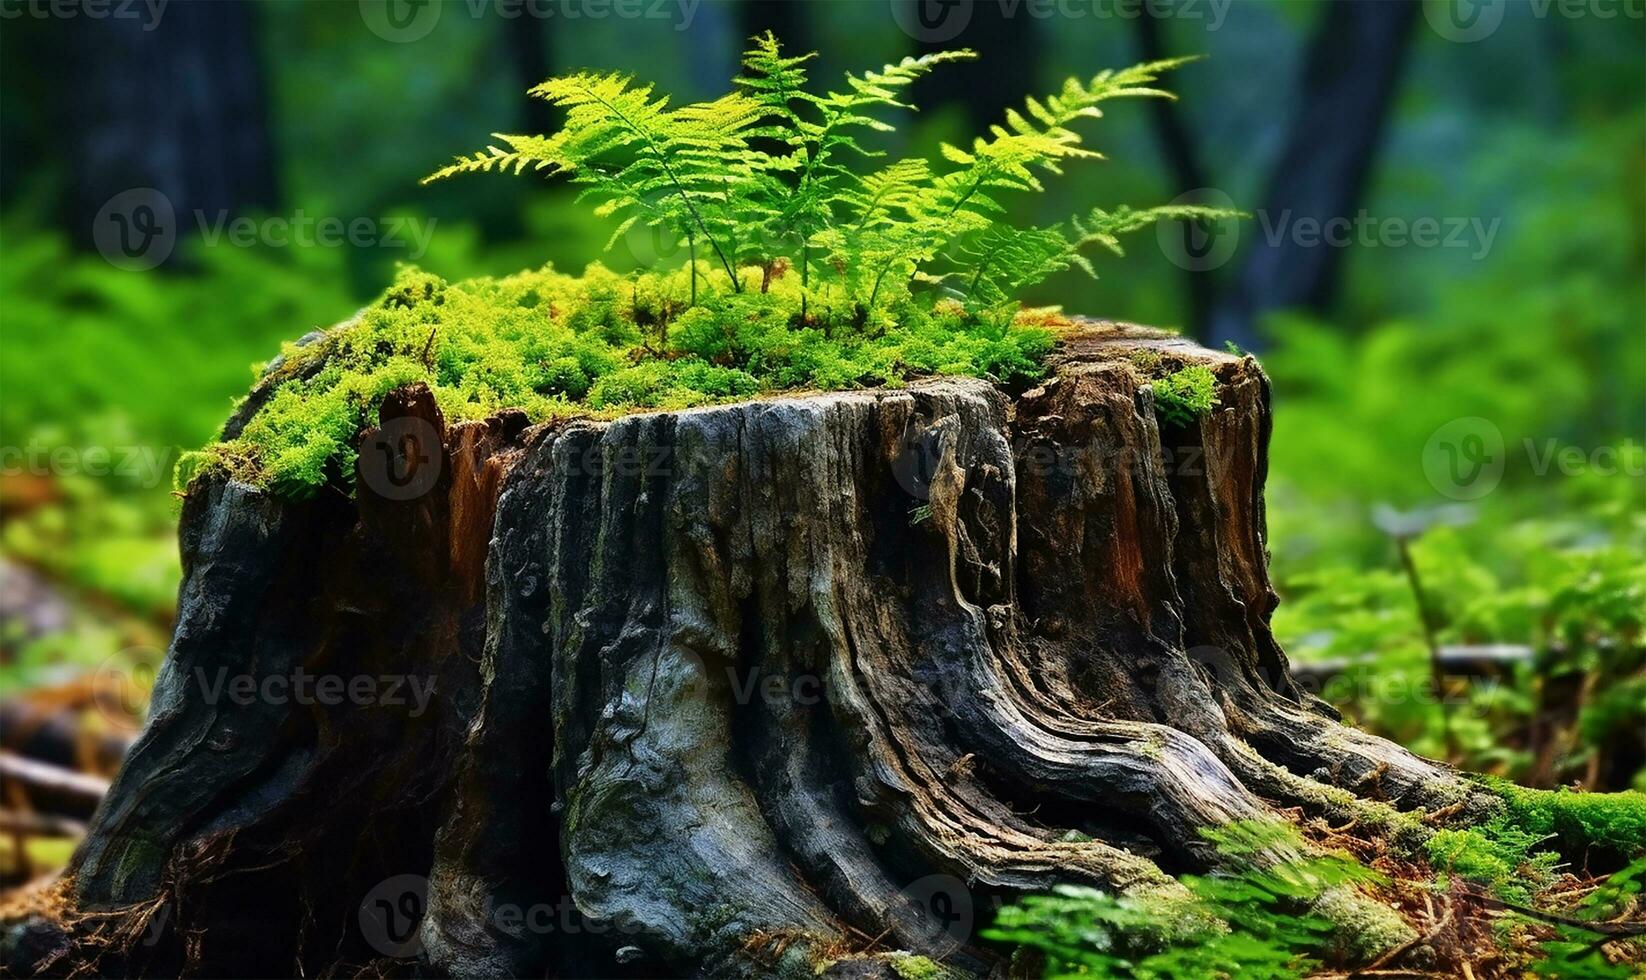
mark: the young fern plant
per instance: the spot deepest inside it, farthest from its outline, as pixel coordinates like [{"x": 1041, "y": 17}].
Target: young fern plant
[{"x": 773, "y": 176}]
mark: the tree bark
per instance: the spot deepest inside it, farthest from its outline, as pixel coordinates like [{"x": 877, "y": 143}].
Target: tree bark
[{"x": 772, "y": 686}]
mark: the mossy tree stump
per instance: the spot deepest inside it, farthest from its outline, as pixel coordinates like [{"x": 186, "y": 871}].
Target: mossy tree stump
[{"x": 738, "y": 689}]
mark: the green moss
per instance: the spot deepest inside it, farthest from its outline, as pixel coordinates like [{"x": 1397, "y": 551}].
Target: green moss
[
  {"x": 910, "y": 967},
  {"x": 1496, "y": 855},
  {"x": 598, "y": 344},
  {"x": 1253, "y": 917},
  {"x": 1364, "y": 928},
  {"x": 1614, "y": 822},
  {"x": 1182, "y": 396},
  {"x": 1513, "y": 852},
  {"x": 1152, "y": 745},
  {"x": 1147, "y": 361}
]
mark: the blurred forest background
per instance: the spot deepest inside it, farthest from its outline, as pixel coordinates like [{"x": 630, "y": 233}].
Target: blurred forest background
[{"x": 1455, "y": 490}]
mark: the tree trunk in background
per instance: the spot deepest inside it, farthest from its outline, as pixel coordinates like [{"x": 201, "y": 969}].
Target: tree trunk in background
[
  {"x": 178, "y": 105},
  {"x": 1008, "y": 44},
  {"x": 1345, "y": 95},
  {"x": 527, "y": 41},
  {"x": 752, "y": 690},
  {"x": 788, "y": 20},
  {"x": 1178, "y": 148}
]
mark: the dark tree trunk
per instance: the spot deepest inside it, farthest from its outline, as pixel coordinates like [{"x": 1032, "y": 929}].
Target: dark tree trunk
[
  {"x": 1178, "y": 148},
  {"x": 772, "y": 686},
  {"x": 790, "y": 21},
  {"x": 1349, "y": 83},
  {"x": 177, "y": 105},
  {"x": 1007, "y": 41},
  {"x": 527, "y": 42}
]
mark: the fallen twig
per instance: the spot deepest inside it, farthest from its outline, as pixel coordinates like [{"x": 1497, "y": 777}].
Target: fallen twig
[{"x": 44, "y": 775}]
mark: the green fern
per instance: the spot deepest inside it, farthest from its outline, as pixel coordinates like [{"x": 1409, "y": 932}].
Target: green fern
[
  {"x": 823, "y": 186},
  {"x": 679, "y": 169},
  {"x": 1251, "y": 921},
  {"x": 771, "y": 176}
]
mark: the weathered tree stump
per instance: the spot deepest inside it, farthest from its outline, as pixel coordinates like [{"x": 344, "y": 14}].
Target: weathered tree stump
[{"x": 738, "y": 689}]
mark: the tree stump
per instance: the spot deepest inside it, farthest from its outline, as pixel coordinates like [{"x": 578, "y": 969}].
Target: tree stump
[{"x": 737, "y": 690}]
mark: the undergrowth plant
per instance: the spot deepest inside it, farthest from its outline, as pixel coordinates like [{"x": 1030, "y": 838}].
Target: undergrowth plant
[
  {"x": 1258, "y": 918},
  {"x": 773, "y": 176},
  {"x": 811, "y": 261},
  {"x": 1185, "y": 394},
  {"x": 1251, "y": 921}
]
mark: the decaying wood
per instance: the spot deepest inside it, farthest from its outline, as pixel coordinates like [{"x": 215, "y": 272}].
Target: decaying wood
[{"x": 735, "y": 690}]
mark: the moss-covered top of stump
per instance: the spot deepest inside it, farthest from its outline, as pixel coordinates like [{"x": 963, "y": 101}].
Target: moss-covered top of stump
[{"x": 598, "y": 344}]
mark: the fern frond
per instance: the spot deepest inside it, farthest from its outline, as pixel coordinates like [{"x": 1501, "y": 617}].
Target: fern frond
[
  {"x": 774, "y": 80},
  {"x": 1102, "y": 227},
  {"x": 1006, "y": 260},
  {"x": 709, "y": 172},
  {"x": 537, "y": 152},
  {"x": 964, "y": 202}
]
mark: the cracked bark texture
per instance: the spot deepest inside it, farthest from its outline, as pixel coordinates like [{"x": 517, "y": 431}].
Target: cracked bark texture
[{"x": 738, "y": 690}]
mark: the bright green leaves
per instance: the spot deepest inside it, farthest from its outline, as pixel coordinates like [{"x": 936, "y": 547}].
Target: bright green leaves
[
  {"x": 1249, "y": 921},
  {"x": 1185, "y": 395},
  {"x": 680, "y": 169},
  {"x": 771, "y": 176},
  {"x": 824, "y": 193}
]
